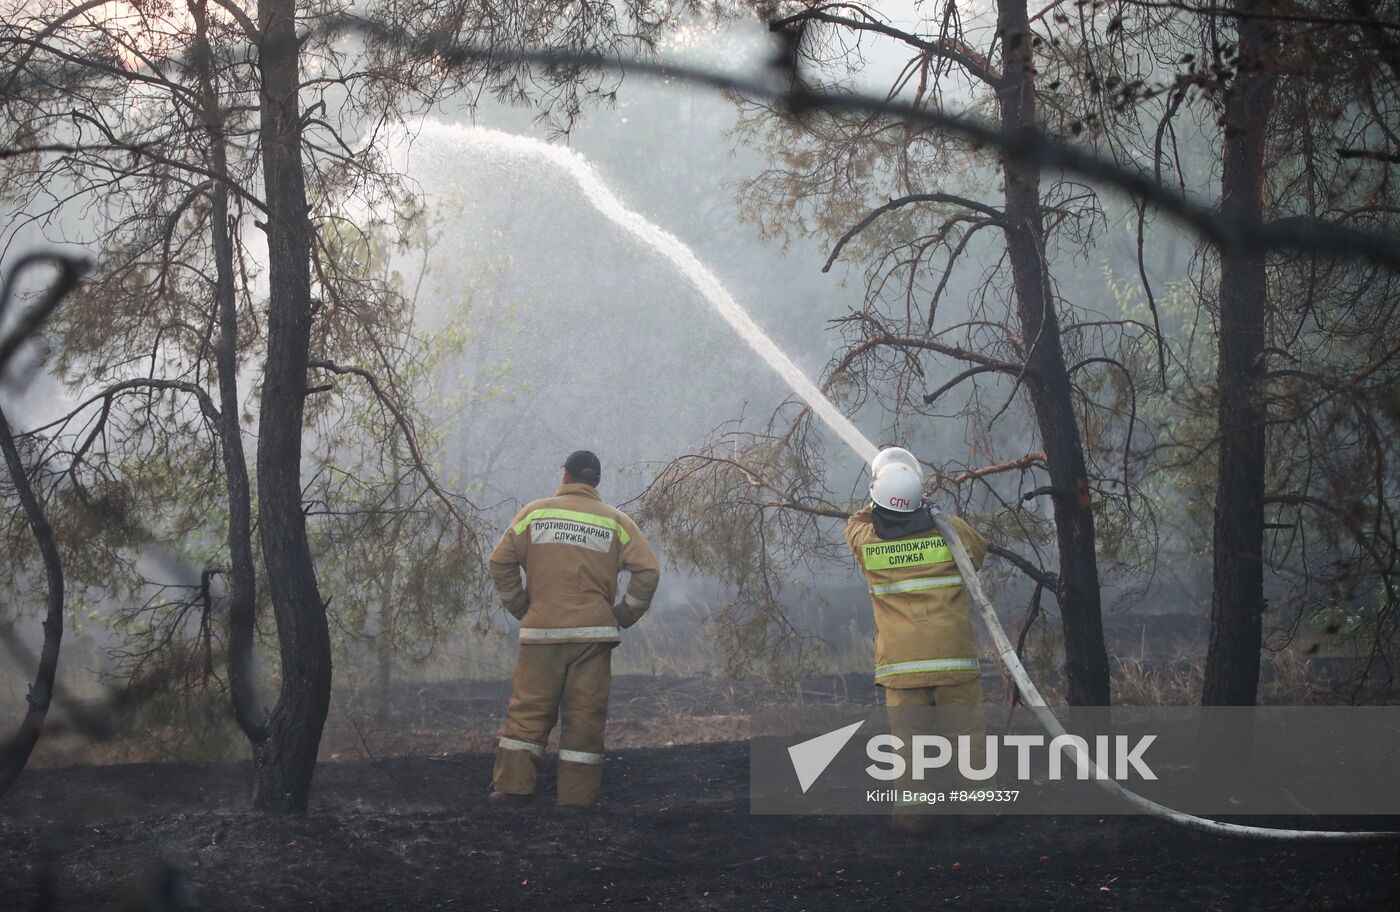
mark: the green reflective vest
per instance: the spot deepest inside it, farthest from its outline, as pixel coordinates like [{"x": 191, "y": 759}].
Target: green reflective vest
[{"x": 923, "y": 621}]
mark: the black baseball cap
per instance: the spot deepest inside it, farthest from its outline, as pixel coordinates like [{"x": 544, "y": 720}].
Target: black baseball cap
[{"x": 584, "y": 466}]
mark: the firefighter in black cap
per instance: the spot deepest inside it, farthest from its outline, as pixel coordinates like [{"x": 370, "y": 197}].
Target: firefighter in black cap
[{"x": 572, "y": 547}]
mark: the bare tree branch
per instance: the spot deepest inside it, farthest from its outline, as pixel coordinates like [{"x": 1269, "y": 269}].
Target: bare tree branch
[{"x": 991, "y": 213}]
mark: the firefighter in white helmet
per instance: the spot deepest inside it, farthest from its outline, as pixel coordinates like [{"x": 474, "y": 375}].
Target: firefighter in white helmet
[
  {"x": 925, "y": 653},
  {"x": 571, "y": 547},
  {"x": 896, "y": 456}
]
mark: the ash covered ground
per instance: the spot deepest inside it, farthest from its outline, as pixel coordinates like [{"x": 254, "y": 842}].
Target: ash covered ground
[{"x": 400, "y": 820}]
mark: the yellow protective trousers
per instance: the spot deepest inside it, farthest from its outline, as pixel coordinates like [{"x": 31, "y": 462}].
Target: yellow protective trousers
[
  {"x": 958, "y": 712},
  {"x": 567, "y": 683}
]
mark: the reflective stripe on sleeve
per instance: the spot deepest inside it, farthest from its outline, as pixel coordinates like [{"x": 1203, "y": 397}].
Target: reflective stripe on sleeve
[
  {"x": 915, "y": 585},
  {"x": 546, "y": 634},
  {"x": 632, "y": 602},
  {"x": 515, "y": 744},
  {"x": 569, "y": 756},
  {"x": 926, "y": 665}
]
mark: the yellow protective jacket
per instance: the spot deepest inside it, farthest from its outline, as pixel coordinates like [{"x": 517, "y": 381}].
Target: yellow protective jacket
[
  {"x": 571, "y": 547},
  {"x": 923, "y": 625}
]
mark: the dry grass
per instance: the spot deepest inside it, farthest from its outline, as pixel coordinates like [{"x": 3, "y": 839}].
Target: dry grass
[
  {"x": 676, "y": 645},
  {"x": 1137, "y": 682}
]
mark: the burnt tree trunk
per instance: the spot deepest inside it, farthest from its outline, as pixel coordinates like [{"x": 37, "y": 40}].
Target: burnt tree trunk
[
  {"x": 1237, "y": 587},
  {"x": 14, "y": 755},
  {"x": 1047, "y": 377},
  {"x": 285, "y": 762},
  {"x": 242, "y": 575}
]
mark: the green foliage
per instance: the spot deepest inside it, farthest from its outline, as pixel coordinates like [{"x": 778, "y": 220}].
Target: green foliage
[
  {"x": 400, "y": 557},
  {"x": 726, "y": 513}
]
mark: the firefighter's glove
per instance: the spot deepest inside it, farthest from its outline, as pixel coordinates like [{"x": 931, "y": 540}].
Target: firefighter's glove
[
  {"x": 518, "y": 605},
  {"x": 627, "y": 615}
]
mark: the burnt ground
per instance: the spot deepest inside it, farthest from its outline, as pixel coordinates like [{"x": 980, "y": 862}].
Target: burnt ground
[{"x": 673, "y": 831}]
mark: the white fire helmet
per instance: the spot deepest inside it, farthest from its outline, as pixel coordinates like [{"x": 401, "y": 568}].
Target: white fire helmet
[
  {"x": 897, "y": 487},
  {"x": 895, "y": 455}
]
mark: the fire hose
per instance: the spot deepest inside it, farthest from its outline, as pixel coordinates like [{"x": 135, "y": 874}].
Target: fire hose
[{"x": 1030, "y": 694}]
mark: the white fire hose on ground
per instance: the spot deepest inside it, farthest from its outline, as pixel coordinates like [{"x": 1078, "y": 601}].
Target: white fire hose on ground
[{"x": 1006, "y": 654}]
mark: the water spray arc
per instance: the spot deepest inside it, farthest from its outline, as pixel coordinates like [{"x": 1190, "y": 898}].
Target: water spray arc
[
  {"x": 674, "y": 249},
  {"x": 705, "y": 281}
]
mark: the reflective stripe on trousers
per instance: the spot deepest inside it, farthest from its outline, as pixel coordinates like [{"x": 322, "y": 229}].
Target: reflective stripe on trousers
[
  {"x": 537, "y": 750},
  {"x": 529, "y": 747},
  {"x": 916, "y": 585},
  {"x": 923, "y": 666},
  {"x": 554, "y": 634}
]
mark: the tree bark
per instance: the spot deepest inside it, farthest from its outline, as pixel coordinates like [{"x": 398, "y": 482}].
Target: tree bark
[
  {"x": 1047, "y": 377},
  {"x": 242, "y": 575},
  {"x": 15, "y": 754},
  {"x": 1237, "y": 588},
  {"x": 285, "y": 763}
]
